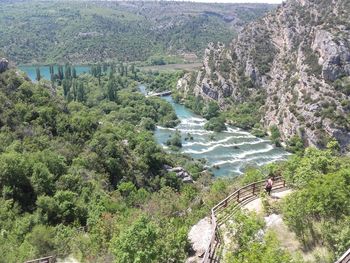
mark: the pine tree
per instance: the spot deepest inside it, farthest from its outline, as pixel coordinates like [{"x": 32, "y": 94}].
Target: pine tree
[
  {"x": 52, "y": 71},
  {"x": 74, "y": 89},
  {"x": 38, "y": 76},
  {"x": 66, "y": 83},
  {"x": 121, "y": 69},
  {"x": 74, "y": 73},
  {"x": 67, "y": 72},
  {"x": 112, "y": 88},
  {"x": 52, "y": 77},
  {"x": 60, "y": 72},
  {"x": 81, "y": 95},
  {"x": 105, "y": 67},
  {"x": 112, "y": 67}
]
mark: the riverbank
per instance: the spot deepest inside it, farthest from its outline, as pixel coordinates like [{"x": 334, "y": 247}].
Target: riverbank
[{"x": 227, "y": 153}]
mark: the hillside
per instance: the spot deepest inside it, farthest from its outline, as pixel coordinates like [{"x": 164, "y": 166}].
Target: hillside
[
  {"x": 288, "y": 72},
  {"x": 81, "y": 172},
  {"x": 92, "y": 31}
]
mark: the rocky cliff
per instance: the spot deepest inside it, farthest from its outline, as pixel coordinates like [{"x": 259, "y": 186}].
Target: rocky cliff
[{"x": 297, "y": 58}]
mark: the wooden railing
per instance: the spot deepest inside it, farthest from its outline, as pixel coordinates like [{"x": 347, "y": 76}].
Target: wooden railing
[
  {"x": 49, "y": 259},
  {"x": 232, "y": 204},
  {"x": 345, "y": 258}
]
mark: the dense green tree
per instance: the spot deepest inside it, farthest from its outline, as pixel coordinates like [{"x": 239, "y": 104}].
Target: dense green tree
[
  {"x": 66, "y": 84},
  {"x": 81, "y": 93},
  {"x": 15, "y": 172},
  {"x": 74, "y": 73},
  {"x": 275, "y": 135},
  {"x": 216, "y": 124},
  {"x": 38, "y": 76},
  {"x": 112, "y": 89},
  {"x": 175, "y": 140},
  {"x": 211, "y": 110},
  {"x": 137, "y": 243}
]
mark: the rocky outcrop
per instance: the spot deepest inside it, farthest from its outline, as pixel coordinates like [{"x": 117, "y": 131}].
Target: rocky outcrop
[
  {"x": 4, "y": 63},
  {"x": 298, "y": 58},
  {"x": 334, "y": 55},
  {"x": 181, "y": 173},
  {"x": 199, "y": 237}
]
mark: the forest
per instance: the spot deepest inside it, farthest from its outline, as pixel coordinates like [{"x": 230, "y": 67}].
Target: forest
[
  {"x": 96, "y": 31},
  {"x": 81, "y": 175}
]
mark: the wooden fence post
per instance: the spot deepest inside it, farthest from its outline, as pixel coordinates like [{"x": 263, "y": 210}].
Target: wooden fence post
[
  {"x": 238, "y": 196},
  {"x": 254, "y": 189}
]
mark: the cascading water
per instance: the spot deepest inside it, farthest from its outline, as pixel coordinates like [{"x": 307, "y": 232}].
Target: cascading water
[{"x": 227, "y": 153}]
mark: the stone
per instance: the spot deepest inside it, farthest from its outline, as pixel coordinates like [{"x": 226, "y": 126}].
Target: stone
[
  {"x": 187, "y": 179},
  {"x": 200, "y": 235},
  {"x": 3, "y": 65},
  {"x": 176, "y": 169}
]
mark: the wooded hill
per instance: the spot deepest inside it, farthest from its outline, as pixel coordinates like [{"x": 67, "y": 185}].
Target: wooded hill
[{"x": 92, "y": 31}]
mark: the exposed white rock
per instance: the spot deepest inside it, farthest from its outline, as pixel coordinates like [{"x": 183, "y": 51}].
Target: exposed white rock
[
  {"x": 199, "y": 236},
  {"x": 293, "y": 55}
]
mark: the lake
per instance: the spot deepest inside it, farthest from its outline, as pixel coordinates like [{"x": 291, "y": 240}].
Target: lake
[{"x": 45, "y": 71}]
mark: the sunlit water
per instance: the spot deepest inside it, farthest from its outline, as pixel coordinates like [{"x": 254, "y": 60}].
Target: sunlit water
[
  {"x": 45, "y": 71},
  {"x": 227, "y": 153}
]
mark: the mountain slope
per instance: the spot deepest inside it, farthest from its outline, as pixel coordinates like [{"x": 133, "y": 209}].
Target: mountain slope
[
  {"x": 296, "y": 61},
  {"x": 89, "y": 31}
]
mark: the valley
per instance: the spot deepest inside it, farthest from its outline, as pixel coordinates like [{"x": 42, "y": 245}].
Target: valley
[{"x": 143, "y": 131}]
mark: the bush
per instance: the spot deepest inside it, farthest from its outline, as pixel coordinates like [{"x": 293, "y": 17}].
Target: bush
[
  {"x": 216, "y": 124},
  {"x": 175, "y": 140},
  {"x": 275, "y": 135}
]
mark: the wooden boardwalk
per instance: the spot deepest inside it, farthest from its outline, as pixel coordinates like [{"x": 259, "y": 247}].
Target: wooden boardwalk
[
  {"x": 49, "y": 259},
  {"x": 228, "y": 207},
  {"x": 159, "y": 94},
  {"x": 345, "y": 258}
]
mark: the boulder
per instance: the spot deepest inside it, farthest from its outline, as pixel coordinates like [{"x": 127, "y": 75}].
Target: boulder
[
  {"x": 3, "y": 64},
  {"x": 176, "y": 169},
  {"x": 187, "y": 179},
  {"x": 199, "y": 236}
]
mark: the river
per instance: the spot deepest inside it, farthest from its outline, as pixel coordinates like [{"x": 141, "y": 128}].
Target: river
[{"x": 227, "y": 153}]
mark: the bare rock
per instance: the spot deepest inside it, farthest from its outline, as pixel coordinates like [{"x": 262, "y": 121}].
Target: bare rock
[
  {"x": 199, "y": 236},
  {"x": 4, "y": 63}
]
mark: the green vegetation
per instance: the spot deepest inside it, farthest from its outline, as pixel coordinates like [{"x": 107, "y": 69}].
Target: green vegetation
[
  {"x": 311, "y": 59},
  {"x": 94, "y": 31},
  {"x": 216, "y": 124},
  {"x": 318, "y": 212},
  {"x": 175, "y": 140},
  {"x": 296, "y": 145},
  {"x": 211, "y": 110},
  {"x": 245, "y": 115},
  {"x": 275, "y": 135},
  {"x": 161, "y": 81},
  {"x": 67, "y": 163},
  {"x": 249, "y": 247},
  {"x": 91, "y": 161}
]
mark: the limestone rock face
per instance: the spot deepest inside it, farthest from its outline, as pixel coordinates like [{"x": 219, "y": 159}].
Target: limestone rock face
[
  {"x": 3, "y": 64},
  {"x": 334, "y": 55},
  {"x": 199, "y": 236},
  {"x": 298, "y": 58}
]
